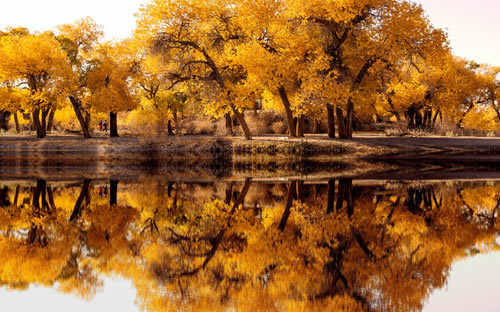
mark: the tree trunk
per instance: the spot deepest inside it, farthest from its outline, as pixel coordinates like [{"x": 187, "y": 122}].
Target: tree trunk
[
  {"x": 50, "y": 123},
  {"x": 497, "y": 110},
  {"x": 288, "y": 112},
  {"x": 113, "y": 125},
  {"x": 4, "y": 120},
  {"x": 331, "y": 120},
  {"x": 317, "y": 127},
  {"x": 393, "y": 109},
  {"x": 43, "y": 122},
  {"x": 244, "y": 126},
  {"x": 341, "y": 123},
  {"x": 40, "y": 133},
  {"x": 84, "y": 124},
  {"x": 16, "y": 120},
  {"x": 434, "y": 120},
  {"x": 170, "y": 127},
  {"x": 300, "y": 127},
  {"x": 229, "y": 124},
  {"x": 349, "y": 118},
  {"x": 113, "y": 193}
]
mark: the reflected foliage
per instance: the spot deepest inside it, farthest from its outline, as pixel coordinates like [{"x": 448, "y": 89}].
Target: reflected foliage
[{"x": 341, "y": 245}]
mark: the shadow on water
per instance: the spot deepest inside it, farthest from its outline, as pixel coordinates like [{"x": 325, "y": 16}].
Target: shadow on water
[{"x": 246, "y": 244}]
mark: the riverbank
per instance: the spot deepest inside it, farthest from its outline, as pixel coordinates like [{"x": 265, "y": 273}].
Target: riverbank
[
  {"x": 269, "y": 150},
  {"x": 205, "y": 157}
]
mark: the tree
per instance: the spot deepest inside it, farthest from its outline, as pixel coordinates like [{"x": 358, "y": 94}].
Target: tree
[
  {"x": 108, "y": 83},
  {"x": 37, "y": 63},
  {"x": 455, "y": 90},
  {"x": 13, "y": 99},
  {"x": 280, "y": 56},
  {"x": 361, "y": 38},
  {"x": 158, "y": 99},
  {"x": 79, "y": 40},
  {"x": 199, "y": 38}
]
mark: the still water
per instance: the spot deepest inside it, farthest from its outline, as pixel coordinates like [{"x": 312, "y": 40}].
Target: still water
[{"x": 147, "y": 244}]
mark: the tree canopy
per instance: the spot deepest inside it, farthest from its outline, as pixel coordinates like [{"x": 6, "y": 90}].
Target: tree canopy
[{"x": 343, "y": 64}]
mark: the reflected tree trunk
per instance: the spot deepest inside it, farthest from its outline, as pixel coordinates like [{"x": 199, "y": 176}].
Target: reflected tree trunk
[
  {"x": 331, "y": 197},
  {"x": 113, "y": 193},
  {"x": 82, "y": 201},
  {"x": 16, "y": 196},
  {"x": 291, "y": 195},
  {"x": 229, "y": 193},
  {"x": 344, "y": 195},
  {"x": 300, "y": 191},
  {"x": 50, "y": 194}
]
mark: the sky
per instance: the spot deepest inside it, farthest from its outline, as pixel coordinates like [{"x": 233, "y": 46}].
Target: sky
[
  {"x": 116, "y": 295},
  {"x": 471, "y": 286},
  {"x": 117, "y": 16},
  {"x": 473, "y": 26}
]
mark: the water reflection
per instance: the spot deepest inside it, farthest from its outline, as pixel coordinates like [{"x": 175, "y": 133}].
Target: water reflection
[{"x": 246, "y": 245}]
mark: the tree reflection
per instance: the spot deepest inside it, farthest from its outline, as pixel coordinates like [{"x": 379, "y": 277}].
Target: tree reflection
[{"x": 338, "y": 245}]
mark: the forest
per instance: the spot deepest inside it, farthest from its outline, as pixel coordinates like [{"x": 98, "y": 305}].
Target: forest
[{"x": 248, "y": 68}]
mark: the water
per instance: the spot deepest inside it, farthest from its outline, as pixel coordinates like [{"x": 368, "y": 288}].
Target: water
[{"x": 150, "y": 244}]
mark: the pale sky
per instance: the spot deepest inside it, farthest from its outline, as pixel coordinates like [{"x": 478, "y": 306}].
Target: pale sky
[{"x": 473, "y": 26}]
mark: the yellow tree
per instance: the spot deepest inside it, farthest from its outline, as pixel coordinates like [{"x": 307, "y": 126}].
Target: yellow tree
[
  {"x": 109, "y": 83},
  {"x": 37, "y": 63},
  {"x": 453, "y": 89},
  {"x": 280, "y": 55},
  {"x": 13, "y": 99},
  {"x": 200, "y": 39},
  {"x": 12, "y": 96},
  {"x": 79, "y": 40},
  {"x": 160, "y": 100},
  {"x": 362, "y": 38}
]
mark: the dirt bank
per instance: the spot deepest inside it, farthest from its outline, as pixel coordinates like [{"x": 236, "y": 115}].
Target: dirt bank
[{"x": 261, "y": 151}]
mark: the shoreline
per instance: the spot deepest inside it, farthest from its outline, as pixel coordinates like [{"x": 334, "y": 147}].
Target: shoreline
[
  {"x": 204, "y": 157},
  {"x": 260, "y": 149}
]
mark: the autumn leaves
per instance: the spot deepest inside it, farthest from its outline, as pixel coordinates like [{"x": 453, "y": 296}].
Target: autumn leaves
[
  {"x": 316, "y": 60},
  {"x": 336, "y": 63},
  {"x": 48, "y": 71}
]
